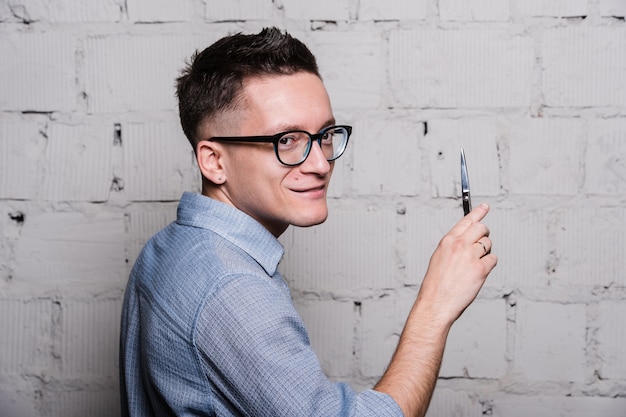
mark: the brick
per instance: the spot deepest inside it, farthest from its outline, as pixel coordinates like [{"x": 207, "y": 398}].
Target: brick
[
  {"x": 550, "y": 341},
  {"x": 124, "y": 72},
  {"x": 88, "y": 401},
  {"x": 384, "y": 10},
  {"x": 324, "y": 258},
  {"x": 435, "y": 68},
  {"x": 68, "y": 248},
  {"x": 350, "y": 86},
  {"x": 476, "y": 344},
  {"x": 218, "y": 10},
  {"x": 90, "y": 338},
  {"x": 553, "y": 8},
  {"x": 557, "y": 147},
  {"x": 584, "y": 67},
  {"x": 21, "y": 152},
  {"x": 26, "y": 84},
  {"x": 383, "y": 319},
  {"x": 330, "y": 324},
  {"x": 611, "y": 337},
  {"x": 474, "y": 10},
  {"x": 386, "y": 157},
  {"x": 448, "y": 402},
  {"x": 425, "y": 226},
  {"x": 590, "y": 246},
  {"x": 325, "y": 10},
  {"x": 605, "y": 162},
  {"x": 17, "y": 402},
  {"x": 142, "y": 225},
  {"x": 159, "y": 10},
  {"x": 78, "y": 163},
  {"x": 525, "y": 260},
  {"x": 545, "y": 406},
  {"x": 71, "y": 11},
  {"x": 615, "y": 8},
  {"x": 158, "y": 162},
  {"x": 26, "y": 328},
  {"x": 478, "y": 138}
]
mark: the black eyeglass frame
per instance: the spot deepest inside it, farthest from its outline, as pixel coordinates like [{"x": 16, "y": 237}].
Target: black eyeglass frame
[{"x": 275, "y": 138}]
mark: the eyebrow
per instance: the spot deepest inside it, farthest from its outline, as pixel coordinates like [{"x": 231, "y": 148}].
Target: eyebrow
[{"x": 289, "y": 127}]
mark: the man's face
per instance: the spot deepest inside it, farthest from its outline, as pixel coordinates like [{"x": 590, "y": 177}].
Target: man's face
[{"x": 256, "y": 182}]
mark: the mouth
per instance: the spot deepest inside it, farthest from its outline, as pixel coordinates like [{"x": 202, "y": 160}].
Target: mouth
[{"x": 313, "y": 192}]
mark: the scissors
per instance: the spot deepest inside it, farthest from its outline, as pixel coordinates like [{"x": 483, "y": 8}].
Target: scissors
[{"x": 465, "y": 188}]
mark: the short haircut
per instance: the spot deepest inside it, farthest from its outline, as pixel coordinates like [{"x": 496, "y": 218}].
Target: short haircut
[{"x": 213, "y": 81}]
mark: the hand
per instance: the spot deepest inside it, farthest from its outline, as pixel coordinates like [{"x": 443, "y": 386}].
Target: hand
[{"x": 458, "y": 269}]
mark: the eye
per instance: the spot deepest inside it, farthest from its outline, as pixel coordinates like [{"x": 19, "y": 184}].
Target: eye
[{"x": 287, "y": 141}]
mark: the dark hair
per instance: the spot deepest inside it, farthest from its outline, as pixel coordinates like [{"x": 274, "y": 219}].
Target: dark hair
[{"x": 213, "y": 80}]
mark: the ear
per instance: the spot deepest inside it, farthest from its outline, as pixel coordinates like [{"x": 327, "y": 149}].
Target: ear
[{"x": 211, "y": 161}]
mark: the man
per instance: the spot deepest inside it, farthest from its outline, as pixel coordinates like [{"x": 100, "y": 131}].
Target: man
[{"x": 208, "y": 326}]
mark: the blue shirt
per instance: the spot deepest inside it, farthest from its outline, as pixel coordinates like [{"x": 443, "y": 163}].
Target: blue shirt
[{"x": 209, "y": 329}]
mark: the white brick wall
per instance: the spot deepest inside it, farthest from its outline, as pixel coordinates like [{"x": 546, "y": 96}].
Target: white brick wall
[{"x": 92, "y": 161}]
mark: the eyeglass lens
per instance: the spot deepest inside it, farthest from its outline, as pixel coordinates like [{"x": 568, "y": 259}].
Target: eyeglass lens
[{"x": 294, "y": 147}]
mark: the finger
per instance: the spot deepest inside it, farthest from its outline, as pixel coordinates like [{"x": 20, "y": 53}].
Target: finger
[
  {"x": 475, "y": 232},
  {"x": 473, "y": 217},
  {"x": 483, "y": 247}
]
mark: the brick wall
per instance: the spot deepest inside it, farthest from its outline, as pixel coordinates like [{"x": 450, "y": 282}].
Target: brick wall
[{"x": 92, "y": 162}]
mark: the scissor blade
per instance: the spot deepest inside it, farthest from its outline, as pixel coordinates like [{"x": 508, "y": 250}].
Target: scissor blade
[{"x": 465, "y": 188}]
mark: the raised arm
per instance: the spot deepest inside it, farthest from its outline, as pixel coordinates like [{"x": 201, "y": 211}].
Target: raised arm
[{"x": 456, "y": 272}]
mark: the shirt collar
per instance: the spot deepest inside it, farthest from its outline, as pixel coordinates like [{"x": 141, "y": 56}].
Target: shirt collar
[{"x": 233, "y": 225}]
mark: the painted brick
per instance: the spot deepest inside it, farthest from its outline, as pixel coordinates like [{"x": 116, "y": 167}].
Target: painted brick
[
  {"x": 590, "y": 246},
  {"x": 605, "y": 162},
  {"x": 382, "y": 322},
  {"x": 142, "y": 225},
  {"x": 329, "y": 258},
  {"x": 474, "y": 10},
  {"x": 521, "y": 241},
  {"x": 556, "y": 146},
  {"x": 425, "y": 226},
  {"x": 70, "y": 11},
  {"x": 330, "y": 324},
  {"x": 550, "y": 341},
  {"x": 449, "y": 403},
  {"x": 25, "y": 345},
  {"x": 84, "y": 402},
  {"x": 324, "y": 10},
  {"x": 218, "y": 10},
  {"x": 90, "y": 337},
  {"x": 398, "y": 10},
  {"x": 21, "y": 151},
  {"x": 124, "y": 72},
  {"x": 616, "y": 8},
  {"x": 553, "y": 8},
  {"x": 78, "y": 163},
  {"x": 40, "y": 76},
  {"x": 584, "y": 67},
  {"x": 337, "y": 53},
  {"x": 17, "y": 402},
  {"x": 436, "y": 68},
  {"x": 544, "y": 406},
  {"x": 158, "y": 162},
  {"x": 159, "y": 10},
  {"x": 477, "y": 342},
  {"x": 611, "y": 337},
  {"x": 387, "y": 157},
  {"x": 477, "y": 136},
  {"x": 60, "y": 249}
]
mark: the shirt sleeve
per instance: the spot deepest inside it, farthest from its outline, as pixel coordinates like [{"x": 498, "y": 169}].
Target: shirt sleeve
[{"x": 258, "y": 359}]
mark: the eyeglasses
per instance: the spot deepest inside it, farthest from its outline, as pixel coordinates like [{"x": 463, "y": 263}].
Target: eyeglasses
[{"x": 293, "y": 147}]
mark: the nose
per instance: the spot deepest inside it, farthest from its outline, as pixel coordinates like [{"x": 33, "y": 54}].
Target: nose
[{"x": 316, "y": 161}]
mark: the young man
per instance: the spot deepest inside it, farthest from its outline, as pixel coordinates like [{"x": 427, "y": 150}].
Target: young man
[{"x": 208, "y": 327}]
